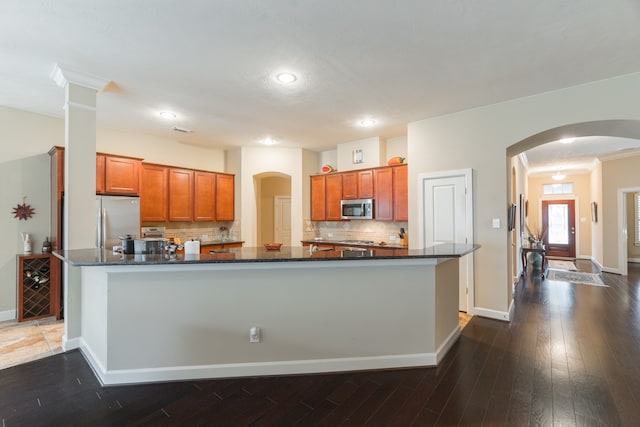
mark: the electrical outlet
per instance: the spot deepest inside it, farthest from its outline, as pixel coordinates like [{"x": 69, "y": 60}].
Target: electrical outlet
[
  {"x": 254, "y": 334},
  {"x": 330, "y": 234},
  {"x": 392, "y": 238}
]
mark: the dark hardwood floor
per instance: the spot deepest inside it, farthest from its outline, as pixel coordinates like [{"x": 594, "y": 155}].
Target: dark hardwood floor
[{"x": 570, "y": 357}]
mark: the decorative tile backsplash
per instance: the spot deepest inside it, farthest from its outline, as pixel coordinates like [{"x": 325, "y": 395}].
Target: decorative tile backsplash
[
  {"x": 377, "y": 231},
  {"x": 204, "y": 231}
]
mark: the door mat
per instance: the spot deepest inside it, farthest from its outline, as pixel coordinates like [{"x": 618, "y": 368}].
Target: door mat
[
  {"x": 562, "y": 265},
  {"x": 575, "y": 277}
]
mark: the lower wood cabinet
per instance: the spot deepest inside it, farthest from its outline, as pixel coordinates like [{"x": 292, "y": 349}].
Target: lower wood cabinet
[
  {"x": 204, "y": 249},
  {"x": 38, "y": 287}
]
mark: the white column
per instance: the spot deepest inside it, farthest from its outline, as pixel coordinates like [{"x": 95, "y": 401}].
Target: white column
[{"x": 79, "y": 184}]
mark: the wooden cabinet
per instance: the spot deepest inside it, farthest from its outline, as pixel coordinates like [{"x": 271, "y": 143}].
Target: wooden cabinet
[
  {"x": 37, "y": 287},
  {"x": 333, "y": 197},
  {"x": 400, "y": 193},
  {"x": 326, "y": 193},
  {"x": 204, "y": 249},
  {"x": 225, "y": 197},
  {"x": 357, "y": 184},
  {"x": 56, "y": 181},
  {"x": 117, "y": 175},
  {"x": 154, "y": 197},
  {"x": 204, "y": 196},
  {"x": 383, "y": 184},
  {"x": 180, "y": 194},
  {"x": 350, "y": 185},
  {"x": 318, "y": 196},
  {"x": 365, "y": 184},
  {"x": 100, "y": 174}
]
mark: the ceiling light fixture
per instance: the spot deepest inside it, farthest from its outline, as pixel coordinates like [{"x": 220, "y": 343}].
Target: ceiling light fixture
[
  {"x": 267, "y": 141},
  {"x": 367, "y": 122},
  {"x": 567, "y": 140},
  {"x": 558, "y": 176},
  {"x": 286, "y": 78},
  {"x": 167, "y": 115}
]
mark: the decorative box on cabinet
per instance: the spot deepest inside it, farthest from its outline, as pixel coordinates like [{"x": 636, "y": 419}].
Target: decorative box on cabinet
[{"x": 37, "y": 287}]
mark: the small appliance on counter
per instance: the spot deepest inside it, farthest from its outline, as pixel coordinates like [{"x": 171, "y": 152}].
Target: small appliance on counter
[{"x": 192, "y": 247}]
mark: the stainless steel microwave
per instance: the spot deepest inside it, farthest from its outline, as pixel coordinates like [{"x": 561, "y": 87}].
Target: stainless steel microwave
[{"x": 356, "y": 209}]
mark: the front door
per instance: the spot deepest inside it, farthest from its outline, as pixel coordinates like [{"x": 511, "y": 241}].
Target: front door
[{"x": 559, "y": 219}]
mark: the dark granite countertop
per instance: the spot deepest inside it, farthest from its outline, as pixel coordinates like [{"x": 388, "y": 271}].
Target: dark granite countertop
[
  {"x": 355, "y": 243},
  {"x": 97, "y": 257}
]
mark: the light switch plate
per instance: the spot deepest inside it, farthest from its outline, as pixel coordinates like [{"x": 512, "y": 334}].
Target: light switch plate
[{"x": 496, "y": 222}]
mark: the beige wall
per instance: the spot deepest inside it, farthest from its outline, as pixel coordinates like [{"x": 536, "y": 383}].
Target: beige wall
[
  {"x": 374, "y": 149},
  {"x": 581, "y": 195},
  {"x": 596, "y": 227},
  {"x": 633, "y": 251},
  {"x": 479, "y": 139},
  {"x": 269, "y": 188},
  {"x": 617, "y": 175}
]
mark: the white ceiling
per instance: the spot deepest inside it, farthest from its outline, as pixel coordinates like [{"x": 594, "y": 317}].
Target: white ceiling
[{"x": 212, "y": 62}]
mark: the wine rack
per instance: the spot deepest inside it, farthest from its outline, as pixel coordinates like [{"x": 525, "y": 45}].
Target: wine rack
[{"x": 38, "y": 293}]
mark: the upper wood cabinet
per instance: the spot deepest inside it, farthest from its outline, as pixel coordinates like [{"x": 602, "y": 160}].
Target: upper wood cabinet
[
  {"x": 204, "y": 196},
  {"x": 365, "y": 184},
  {"x": 318, "y": 196},
  {"x": 100, "y": 174},
  {"x": 334, "y": 195},
  {"x": 180, "y": 194},
  {"x": 154, "y": 200},
  {"x": 383, "y": 184},
  {"x": 225, "y": 197},
  {"x": 349, "y": 185},
  {"x": 400, "y": 193},
  {"x": 118, "y": 175},
  {"x": 357, "y": 184}
]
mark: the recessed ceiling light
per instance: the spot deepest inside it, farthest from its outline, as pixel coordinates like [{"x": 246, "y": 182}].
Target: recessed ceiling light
[
  {"x": 167, "y": 115},
  {"x": 267, "y": 141},
  {"x": 286, "y": 78},
  {"x": 367, "y": 122}
]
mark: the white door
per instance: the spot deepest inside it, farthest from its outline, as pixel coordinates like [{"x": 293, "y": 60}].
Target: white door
[
  {"x": 282, "y": 220},
  {"x": 447, "y": 213}
]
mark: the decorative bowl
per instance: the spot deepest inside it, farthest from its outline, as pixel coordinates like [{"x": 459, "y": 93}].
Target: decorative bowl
[{"x": 273, "y": 246}]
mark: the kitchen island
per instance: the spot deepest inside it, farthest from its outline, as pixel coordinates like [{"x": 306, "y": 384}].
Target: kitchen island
[{"x": 145, "y": 318}]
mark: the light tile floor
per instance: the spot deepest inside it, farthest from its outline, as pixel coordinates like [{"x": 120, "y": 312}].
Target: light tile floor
[{"x": 26, "y": 341}]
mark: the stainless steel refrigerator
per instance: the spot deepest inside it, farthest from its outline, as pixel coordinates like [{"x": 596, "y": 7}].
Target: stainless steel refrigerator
[{"x": 116, "y": 216}]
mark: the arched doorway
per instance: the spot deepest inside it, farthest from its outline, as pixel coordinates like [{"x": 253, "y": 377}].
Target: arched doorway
[
  {"x": 273, "y": 198},
  {"x": 608, "y": 234}
]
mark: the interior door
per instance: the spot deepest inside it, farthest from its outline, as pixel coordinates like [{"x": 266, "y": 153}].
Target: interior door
[
  {"x": 282, "y": 220},
  {"x": 559, "y": 218},
  {"x": 446, "y": 213}
]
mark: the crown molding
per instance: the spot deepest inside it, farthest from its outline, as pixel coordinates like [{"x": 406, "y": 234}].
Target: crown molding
[
  {"x": 62, "y": 76},
  {"x": 631, "y": 152}
]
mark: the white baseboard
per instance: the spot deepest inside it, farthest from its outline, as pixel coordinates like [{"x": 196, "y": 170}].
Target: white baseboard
[
  {"x": 71, "y": 344},
  {"x": 634, "y": 260},
  {"x": 494, "y": 314},
  {"x": 8, "y": 315},
  {"x": 289, "y": 367}
]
